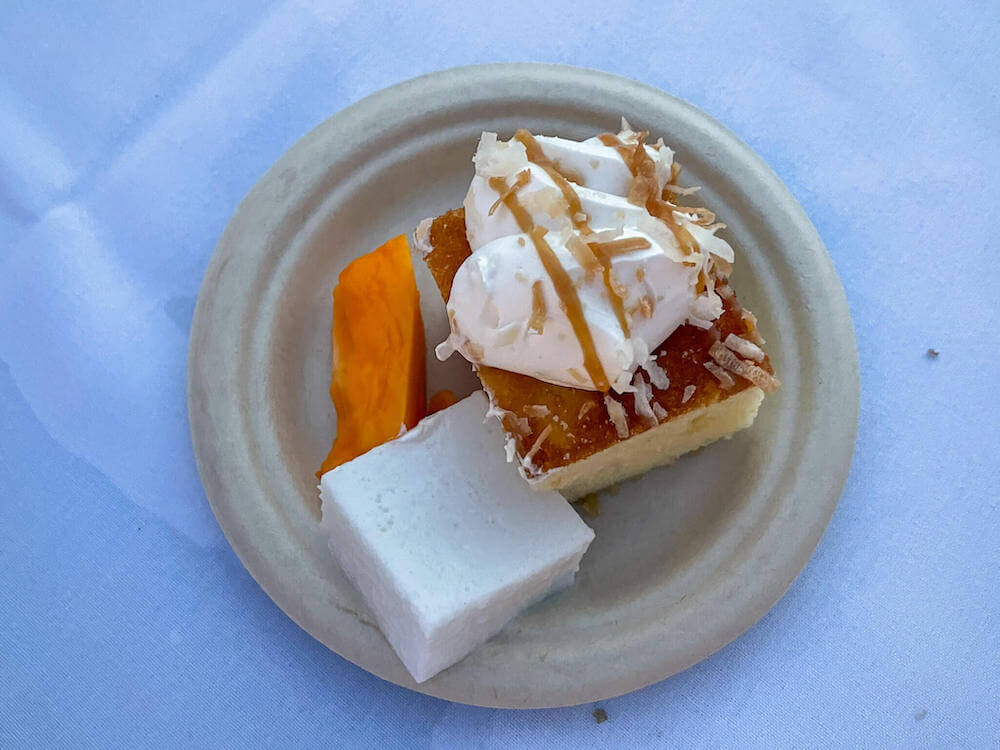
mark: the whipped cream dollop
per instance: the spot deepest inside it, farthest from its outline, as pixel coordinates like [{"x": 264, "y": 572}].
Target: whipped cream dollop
[{"x": 570, "y": 281}]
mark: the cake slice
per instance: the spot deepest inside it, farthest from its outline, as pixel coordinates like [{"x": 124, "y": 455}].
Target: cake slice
[
  {"x": 705, "y": 381},
  {"x": 444, "y": 540}
]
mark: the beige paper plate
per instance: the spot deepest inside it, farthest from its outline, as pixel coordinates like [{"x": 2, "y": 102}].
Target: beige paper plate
[{"x": 687, "y": 557}]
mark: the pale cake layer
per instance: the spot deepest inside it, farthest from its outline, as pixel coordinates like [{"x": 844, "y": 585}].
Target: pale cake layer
[
  {"x": 559, "y": 427},
  {"x": 658, "y": 446}
]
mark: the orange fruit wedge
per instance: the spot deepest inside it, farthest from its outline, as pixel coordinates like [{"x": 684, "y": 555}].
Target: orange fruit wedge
[{"x": 379, "y": 378}]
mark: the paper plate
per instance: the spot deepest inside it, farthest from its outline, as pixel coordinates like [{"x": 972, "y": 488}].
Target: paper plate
[{"x": 687, "y": 557}]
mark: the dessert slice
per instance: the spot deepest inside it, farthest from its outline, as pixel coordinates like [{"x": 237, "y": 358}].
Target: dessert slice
[
  {"x": 595, "y": 308},
  {"x": 444, "y": 539}
]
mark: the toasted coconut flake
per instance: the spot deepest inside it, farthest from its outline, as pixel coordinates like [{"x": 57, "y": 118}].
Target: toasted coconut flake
[
  {"x": 520, "y": 425},
  {"x": 722, "y": 267},
  {"x": 583, "y": 255},
  {"x": 724, "y": 378},
  {"x": 642, "y": 400},
  {"x": 678, "y": 190},
  {"x": 695, "y": 214},
  {"x": 539, "y": 314},
  {"x": 542, "y": 436},
  {"x": 744, "y": 348},
  {"x": 756, "y": 375},
  {"x": 510, "y": 421},
  {"x": 725, "y": 291},
  {"x": 617, "y": 414},
  {"x": 575, "y": 374},
  {"x": 706, "y": 306},
  {"x": 657, "y": 375},
  {"x": 751, "y": 322},
  {"x": 422, "y": 237},
  {"x": 606, "y": 235},
  {"x": 645, "y": 184},
  {"x": 492, "y": 410},
  {"x": 537, "y": 410},
  {"x": 701, "y": 287},
  {"x": 699, "y": 323},
  {"x": 661, "y": 414},
  {"x": 619, "y": 289},
  {"x": 619, "y": 247},
  {"x": 547, "y": 200},
  {"x": 623, "y": 383},
  {"x": 584, "y": 409},
  {"x": 688, "y": 393},
  {"x": 495, "y": 158}
]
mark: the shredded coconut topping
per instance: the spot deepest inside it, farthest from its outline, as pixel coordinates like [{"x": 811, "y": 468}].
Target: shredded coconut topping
[
  {"x": 643, "y": 395},
  {"x": 756, "y": 375},
  {"x": 617, "y": 414},
  {"x": 744, "y": 348},
  {"x": 721, "y": 375},
  {"x": 542, "y": 436},
  {"x": 751, "y": 320},
  {"x": 517, "y": 424},
  {"x": 688, "y": 393},
  {"x": 657, "y": 375},
  {"x": 496, "y": 158}
]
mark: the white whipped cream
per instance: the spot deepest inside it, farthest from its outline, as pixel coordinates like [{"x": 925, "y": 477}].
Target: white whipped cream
[{"x": 491, "y": 301}]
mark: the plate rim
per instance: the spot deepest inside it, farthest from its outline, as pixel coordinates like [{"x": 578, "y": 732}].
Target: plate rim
[{"x": 237, "y": 534}]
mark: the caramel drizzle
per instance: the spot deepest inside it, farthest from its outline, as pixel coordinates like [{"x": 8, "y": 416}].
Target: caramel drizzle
[
  {"x": 522, "y": 179},
  {"x": 616, "y": 291},
  {"x": 537, "y": 156},
  {"x": 605, "y": 251},
  {"x": 624, "y": 151},
  {"x": 580, "y": 251},
  {"x": 643, "y": 190},
  {"x": 560, "y": 280}
]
